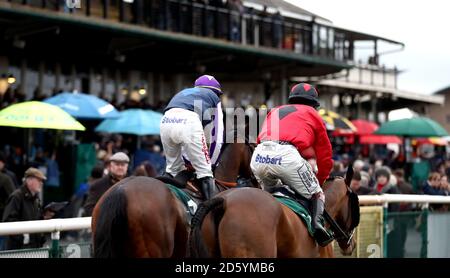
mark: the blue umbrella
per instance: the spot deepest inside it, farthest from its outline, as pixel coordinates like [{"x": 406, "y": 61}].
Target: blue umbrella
[
  {"x": 83, "y": 106},
  {"x": 133, "y": 121}
]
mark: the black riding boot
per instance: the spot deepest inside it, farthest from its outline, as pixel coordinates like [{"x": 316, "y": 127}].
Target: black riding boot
[
  {"x": 207, "y": 187},
  {"x": 320, "y": 233}
]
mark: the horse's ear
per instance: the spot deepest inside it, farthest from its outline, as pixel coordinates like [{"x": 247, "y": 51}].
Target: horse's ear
[{"x": 349, "y": 175}]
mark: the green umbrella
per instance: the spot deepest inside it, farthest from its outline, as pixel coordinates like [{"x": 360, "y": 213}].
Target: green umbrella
[
  {"x": 36, "y": 114},
  {"x": 413, "y": 127}
]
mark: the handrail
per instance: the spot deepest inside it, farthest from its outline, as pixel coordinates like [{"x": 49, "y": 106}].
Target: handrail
[
  {"x": 81, "y": 223},
  {"x": 45, "y": 226},
  {"x": 402, "y": 198}
]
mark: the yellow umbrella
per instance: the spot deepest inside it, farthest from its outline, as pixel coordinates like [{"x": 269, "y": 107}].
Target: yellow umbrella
[
  {"x": 36, "y": 114},
  {"x": 336, "y": 122}
]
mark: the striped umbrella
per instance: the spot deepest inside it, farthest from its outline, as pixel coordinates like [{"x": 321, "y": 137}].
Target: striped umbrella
[{"x": 336, "y": 122}]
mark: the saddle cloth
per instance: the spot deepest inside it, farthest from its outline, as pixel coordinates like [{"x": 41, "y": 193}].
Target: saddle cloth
[{"x": 299, "y": 206}]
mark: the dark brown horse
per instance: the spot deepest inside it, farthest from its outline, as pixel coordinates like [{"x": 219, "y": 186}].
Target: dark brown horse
[
  {"x": 141, "y": 217},
  {"x": 251, "y": 223}
]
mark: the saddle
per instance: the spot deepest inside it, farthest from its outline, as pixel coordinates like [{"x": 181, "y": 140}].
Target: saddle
[
  {"x": 182, "y": 186},
  {"x": 284, "y": 191},
  {"x": 295, "y": 202}
]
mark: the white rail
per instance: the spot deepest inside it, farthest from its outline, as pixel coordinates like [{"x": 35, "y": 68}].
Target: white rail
[
  {"x": 45, "y": 226},
  {"x": 402, "y": 198},
  {"x": 81, "y": 223}
]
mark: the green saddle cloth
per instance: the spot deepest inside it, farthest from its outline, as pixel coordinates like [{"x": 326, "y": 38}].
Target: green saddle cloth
[
  {"x": 180, "y": 194},
  {"x": 300, "y": 210}
]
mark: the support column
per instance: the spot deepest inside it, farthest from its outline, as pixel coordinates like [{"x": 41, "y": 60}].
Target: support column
[
  {"x": 374, "y": 108},
  {"x": 57, "y": 77},
  {"x": 358, "y": 107},
  {"x": 150, "y": 89},
  {"x": 23, "y": 77},
  {"x": 41, "y": 71},
  {"x": 117, "y": 88},
  {"x": 90, "y": 85},
  {"x": 103, "y": 83},
  {"x": 73, "y": 77},
  {"x": 284, "y": 87}
]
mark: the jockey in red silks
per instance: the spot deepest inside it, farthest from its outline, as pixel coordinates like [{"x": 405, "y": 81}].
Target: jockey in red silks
[
  {"x": 291, "y": 135},
  {"x": 182, "y": 131}
]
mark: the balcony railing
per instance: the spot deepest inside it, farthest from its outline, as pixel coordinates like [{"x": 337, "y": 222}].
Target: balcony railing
[{"x": 250, "y": 27}]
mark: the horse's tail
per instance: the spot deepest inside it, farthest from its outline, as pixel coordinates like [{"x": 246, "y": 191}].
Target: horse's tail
[
  {"x": 197, "y": 245},
  {"x": 112, "y": 225}
]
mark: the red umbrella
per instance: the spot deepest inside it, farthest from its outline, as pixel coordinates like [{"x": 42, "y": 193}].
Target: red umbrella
[
  {"x": 365, "y": 130},
  {"x": 380, "y": 139},
  {"x": 364, "y": 127}
]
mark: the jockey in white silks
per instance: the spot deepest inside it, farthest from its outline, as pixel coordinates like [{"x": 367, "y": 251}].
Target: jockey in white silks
[{"x": 182, "y": 131}]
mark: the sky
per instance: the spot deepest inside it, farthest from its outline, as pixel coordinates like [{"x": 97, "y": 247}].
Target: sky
[{"x": 423, "y": 26}]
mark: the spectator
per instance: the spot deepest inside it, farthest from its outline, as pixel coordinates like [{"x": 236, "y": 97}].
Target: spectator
[
  {"x": 117, "y": 170},
  {"x": 145, "y": 169},
  {"x": 384, "y": 186},
  {"x": 79, "y": 198},
  {"x": 24, "y": 205},
  {"x": 264, "y": 27},
  {"x": 236, "y": 10},
  {"x": 6, "y": 188},
  {"x": 444, "y": 185},
  {"x": 7, "y": 172},
  {"x": 365, "y": 180},
  {"x": 75, "y": 208},
  {"x": 432, "y": 185},
  {"x": 404, "y": 188},
  {"x": 357, "y": 187},
  {"x": 277, "y": 30},
  {"x": 338, "y": 170},
  {"x": 358, "y": 165}
]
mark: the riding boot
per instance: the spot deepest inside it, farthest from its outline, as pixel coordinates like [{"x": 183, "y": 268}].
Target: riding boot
[
  {"x": 320, "y": 233},
  {"x": 207, "y": 187}
]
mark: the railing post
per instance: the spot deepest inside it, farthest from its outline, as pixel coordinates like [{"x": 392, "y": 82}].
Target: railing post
[
  {"x": 424, "y": 231},
  {"x": 54, "y": 251},
  {"x": 385, "y": 228}
]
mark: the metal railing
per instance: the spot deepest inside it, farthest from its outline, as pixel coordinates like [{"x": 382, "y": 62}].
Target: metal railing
[
  {"x": 250, "y": 27},
  {"x": 400, "y": 217},
  {"x": 53, "y": 226}
]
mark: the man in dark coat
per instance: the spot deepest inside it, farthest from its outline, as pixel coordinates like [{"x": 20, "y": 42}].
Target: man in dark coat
[
  {"x": 24, "y": 205},
  {"x": 118, "y": 166}
]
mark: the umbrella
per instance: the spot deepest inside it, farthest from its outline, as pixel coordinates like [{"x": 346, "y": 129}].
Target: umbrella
[
  {"x": 380, "y": 139},
  {"x": 365, "y": 130},
  {"x": 336, "y": 122},
  {"x": 83, "y": 106},
  {"x": 438, "y": 141},
  {"x": 413, "y": 127},
  {"x": 364, "y": 127},
  {"x": 132, "y": 121},
  {"x": 36, "y": 114}
]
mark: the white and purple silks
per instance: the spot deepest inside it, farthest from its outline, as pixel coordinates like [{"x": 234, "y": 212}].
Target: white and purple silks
[{"x": 216, "y": 136}]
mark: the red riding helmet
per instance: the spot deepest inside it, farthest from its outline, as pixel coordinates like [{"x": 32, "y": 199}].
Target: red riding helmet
[{"x": 304, "y": 93}]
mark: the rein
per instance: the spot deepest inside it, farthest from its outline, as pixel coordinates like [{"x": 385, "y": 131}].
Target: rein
[{"x": 338, "y": 233}]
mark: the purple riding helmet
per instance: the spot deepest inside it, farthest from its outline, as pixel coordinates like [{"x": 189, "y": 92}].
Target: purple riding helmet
[{"x": 208, "y": 81}]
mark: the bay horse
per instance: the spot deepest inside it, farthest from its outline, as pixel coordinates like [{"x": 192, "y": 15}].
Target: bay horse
[
  {"x": 251, "y": 223},
  {"x": 141, "y": 217}
]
